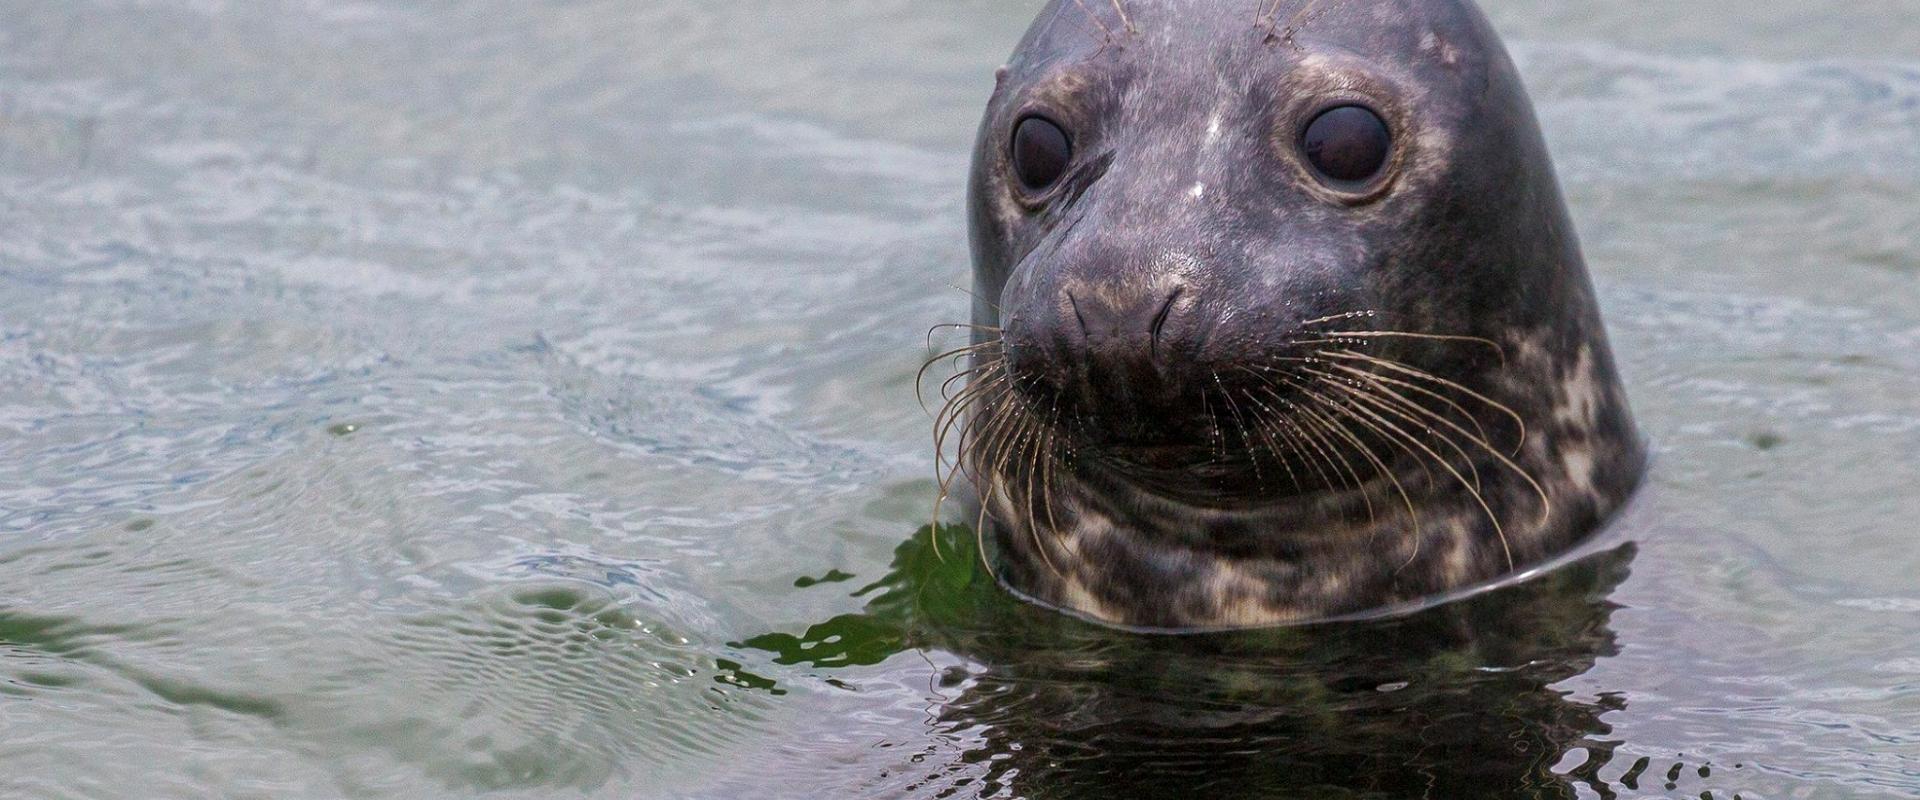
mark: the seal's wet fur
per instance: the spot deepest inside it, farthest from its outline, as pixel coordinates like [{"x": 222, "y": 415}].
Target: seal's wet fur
[{"x": 1208, "y": 389}]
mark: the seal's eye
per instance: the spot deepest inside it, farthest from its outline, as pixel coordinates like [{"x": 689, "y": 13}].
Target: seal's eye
[
  {"x": 1348, "y": 144},
  {"x": 1041, "y": 152}
]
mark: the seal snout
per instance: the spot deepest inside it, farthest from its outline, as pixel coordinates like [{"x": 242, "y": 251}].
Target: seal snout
[
  {"x": 1115, "y": 354},
  {"x": 1119, "y": 330}
]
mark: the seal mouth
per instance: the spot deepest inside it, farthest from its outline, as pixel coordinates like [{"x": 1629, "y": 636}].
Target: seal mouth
[
  {"x": 1161, "y": 456},
  {"x": 1157, "y": 437},
  {"x": 1225, "y": 443},
  {"x": 1229, "y": 474},
  {"x": 1164, "y": 459},
  {"x": 1319, "y": 415}
]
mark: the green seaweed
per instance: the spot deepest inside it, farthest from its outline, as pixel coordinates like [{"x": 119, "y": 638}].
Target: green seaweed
[
  {"x": 927, "y": 588},
  {"x": 1447, "y": 701}
]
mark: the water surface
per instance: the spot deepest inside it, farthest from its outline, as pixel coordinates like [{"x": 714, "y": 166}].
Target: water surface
[{"x": 446, "y": 399}]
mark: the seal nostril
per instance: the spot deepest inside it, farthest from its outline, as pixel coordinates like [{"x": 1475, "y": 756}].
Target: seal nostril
[
  {"x": 1160, "y": 319},
  {"x": 1072, "y": 301}
]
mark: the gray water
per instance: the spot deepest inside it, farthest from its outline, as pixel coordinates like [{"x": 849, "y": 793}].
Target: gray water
[{"x": 421, "y": 399}]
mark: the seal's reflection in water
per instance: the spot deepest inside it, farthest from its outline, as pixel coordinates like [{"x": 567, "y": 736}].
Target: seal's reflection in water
[{"x": 1453, "y": 701}]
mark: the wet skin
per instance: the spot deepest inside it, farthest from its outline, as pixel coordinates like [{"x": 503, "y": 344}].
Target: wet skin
[{"x": 1279, "y": 316}]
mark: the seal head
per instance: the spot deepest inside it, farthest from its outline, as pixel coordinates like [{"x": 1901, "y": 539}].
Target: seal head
[{"x": 1279, "y": 315}]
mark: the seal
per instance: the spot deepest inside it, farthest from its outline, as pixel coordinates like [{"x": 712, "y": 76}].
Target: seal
[{"x": 1279, "y": 316}]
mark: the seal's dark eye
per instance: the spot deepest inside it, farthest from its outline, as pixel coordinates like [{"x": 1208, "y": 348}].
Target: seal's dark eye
[
  {"x": 1348, "y": 144},
  {"x": 1041, "y": 152}
]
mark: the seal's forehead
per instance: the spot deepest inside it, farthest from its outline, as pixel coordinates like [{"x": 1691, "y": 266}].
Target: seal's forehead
[{"x": 1098, "y": 32}]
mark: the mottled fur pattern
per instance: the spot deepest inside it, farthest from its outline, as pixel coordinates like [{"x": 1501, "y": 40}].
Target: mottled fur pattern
[
  {"x": 1423, "y": 359},
  {"x": 1181, "y": 567}
]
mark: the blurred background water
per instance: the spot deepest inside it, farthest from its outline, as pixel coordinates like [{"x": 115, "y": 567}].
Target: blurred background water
[{"x": 431, "y": 399}]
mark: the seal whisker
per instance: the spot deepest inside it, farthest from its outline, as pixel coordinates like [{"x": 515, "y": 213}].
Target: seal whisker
[
  {"x": 980, "y": 531},
  {"x": 1393, "y": 402},
  {"x": 920, "y": 377},
  {"x": 1120, "y": 7},
  {"x": 976, "y": 347},
  {"x": 944, "y": 476},
  {"x": 1343, "y": 466},
  {"x": 1246, "y": 441},
  {"x": 1380, "y": 464},
  {"x": 1391, "y": 399},
  {"x": 1490, "y": 344},
  {"x": 1015, "y": 458},
  {"x": 1046, "y": 485},
  {"x": 1546, "y": 503},
  {"x": 963, "y": 326},
  {"x": 981, "y": 431},
  {"x": 1008, "y": 444},
  {"x": 1359, "y": 484},
  {"x": 956, "y": 354},
  {"x": 1328, "y": 453},
  {"x": 953, "y": 414},
  {"x": 1366, "y": 449},
  {"x": 1002, "y": 453},
  {"x": 1397, "y": 441},
  {"x": 1015, "y": 425},
  {"x": 984, "y": 390},
  {"x": 1308, "y": 13},
  {"x": 1268, "y": 427},
  {"x": 955, "y": 410},
  {"x": 1428, "y": 376},
  {"x": 977, "y": 296},
  {"x": 1481, "y": 438},
  {"x": 970, "y": 439},
  {"x": 1390, "y": 403},
  {"x": 969, "y": 376},
  {"x": 1267, "y": 13},
  {"x": 1332, "y": 426},
  {"x": 943, "y": 426},
  {"x": 1010, "y": 469},
  {"x": 997, "y": 438},
  {"x": 1340, "y": 317},
  {"x": 1213, "y": 424},
  {"x": 1095, "y": 18},
  {"x": 1276, "y": 425},
  {"x": 1326, "y": 427},
  {"x": 980, "y": 370},
  {"x": 1498, "y": 529},
  {"x": 1326, "y": 448},
  {"x": 1033, "y": 523},
  {"x": 1285, "y": 454},
  {"x": 975, "y": 372},
  {"x": 948, "y": 472}
]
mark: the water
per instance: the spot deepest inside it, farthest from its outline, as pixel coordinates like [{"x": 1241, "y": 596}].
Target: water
[{"x": 435, "y": 400}]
